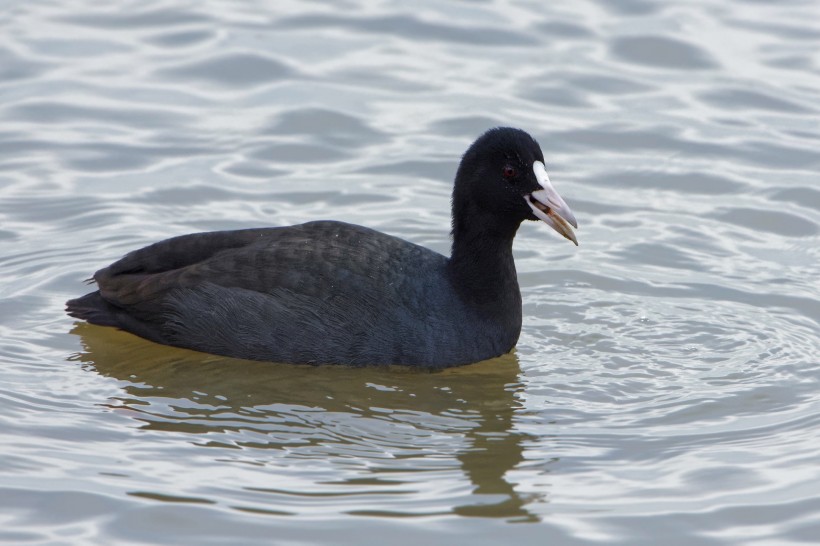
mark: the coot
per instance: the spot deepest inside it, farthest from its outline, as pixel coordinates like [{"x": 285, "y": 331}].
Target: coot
[{"x": 328, "y": 292}]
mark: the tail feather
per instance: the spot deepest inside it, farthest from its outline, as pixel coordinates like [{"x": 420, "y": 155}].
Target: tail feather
[{"x": 94, "y": 309}]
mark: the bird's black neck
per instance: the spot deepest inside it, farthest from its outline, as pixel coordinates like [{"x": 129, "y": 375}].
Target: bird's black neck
[{"x": 481, "y": 264}]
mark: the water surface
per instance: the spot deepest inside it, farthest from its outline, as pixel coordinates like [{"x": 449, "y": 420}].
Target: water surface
[{"x": 665, "y": 386}]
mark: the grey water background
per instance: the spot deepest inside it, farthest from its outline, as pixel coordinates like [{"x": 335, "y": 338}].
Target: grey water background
[{"x": 666, "y": 385}]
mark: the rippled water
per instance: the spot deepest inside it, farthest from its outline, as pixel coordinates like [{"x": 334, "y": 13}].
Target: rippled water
[{"x": 665, "y": 387}]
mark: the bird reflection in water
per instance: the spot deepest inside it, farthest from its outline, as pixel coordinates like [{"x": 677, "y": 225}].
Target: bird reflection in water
[{"x": 387, "y": 415}]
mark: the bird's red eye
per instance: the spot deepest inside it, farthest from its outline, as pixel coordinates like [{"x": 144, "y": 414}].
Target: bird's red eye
[{"x": 509, "y": 171}]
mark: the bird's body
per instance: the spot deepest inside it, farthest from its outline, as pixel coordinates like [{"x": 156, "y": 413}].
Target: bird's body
[{"x": 327, "y": 292}]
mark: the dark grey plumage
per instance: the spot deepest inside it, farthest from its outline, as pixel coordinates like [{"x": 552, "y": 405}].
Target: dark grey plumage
[{"x": 334, "y": 293}]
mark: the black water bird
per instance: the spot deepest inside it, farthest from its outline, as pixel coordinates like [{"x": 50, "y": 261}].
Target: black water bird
[{"x": 328, "y": 292}]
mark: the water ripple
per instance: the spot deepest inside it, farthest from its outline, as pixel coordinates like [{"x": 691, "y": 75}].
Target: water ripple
[
  {"x": 661, "y": 52},
  {"x": 667, "y": 372}
]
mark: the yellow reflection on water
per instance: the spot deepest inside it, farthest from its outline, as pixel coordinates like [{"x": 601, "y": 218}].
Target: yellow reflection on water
[{"x": 386, "y": 414}]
